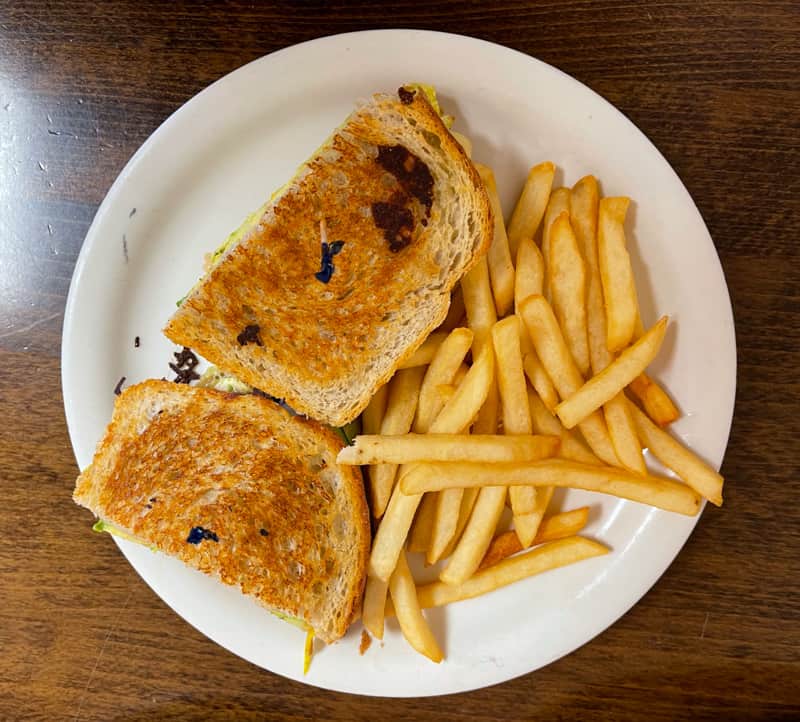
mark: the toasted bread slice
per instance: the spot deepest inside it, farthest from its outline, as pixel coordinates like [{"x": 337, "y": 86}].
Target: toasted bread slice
[
  {"x": 239, "y": 488},
  {"x": 404, "y": 215}
]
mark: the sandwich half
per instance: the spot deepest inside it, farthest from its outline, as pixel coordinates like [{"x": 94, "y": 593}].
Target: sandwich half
[
  {"x": 239, "y": 488},
  {"x": 319, "y": 297}
]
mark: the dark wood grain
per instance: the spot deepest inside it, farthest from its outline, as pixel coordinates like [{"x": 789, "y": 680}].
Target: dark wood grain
[{"x": 713, "y": 84}]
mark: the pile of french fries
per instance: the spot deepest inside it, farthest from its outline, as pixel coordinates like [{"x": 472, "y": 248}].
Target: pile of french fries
[{"x": 549, "y": 319}]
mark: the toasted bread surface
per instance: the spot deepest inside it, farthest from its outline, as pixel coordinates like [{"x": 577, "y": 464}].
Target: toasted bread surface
[
  {"x": 409, "y": 216},
  {"x": 238, "y": 488}
]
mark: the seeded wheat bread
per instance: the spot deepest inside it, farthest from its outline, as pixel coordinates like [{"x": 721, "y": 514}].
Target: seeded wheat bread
[
  {"x": 408, "y": 234},
  {"x": 291, "y": 527}
]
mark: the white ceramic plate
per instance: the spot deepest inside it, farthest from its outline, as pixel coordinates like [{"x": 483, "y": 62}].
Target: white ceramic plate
[{"x": 223, "y": 152}]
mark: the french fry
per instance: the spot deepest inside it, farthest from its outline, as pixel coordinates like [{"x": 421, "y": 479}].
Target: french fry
[
  {"x": 557, "y": 361},
  {"x": 400, "y": 407},
  {"x": 558, "y": 526},
  {"x": 407, "y": 448},
  {"x": 371, "y": 420},
  {"x": 473, "y": 391},
  {"x": 455, "y": 313},
  {"x": 445, "y": 392},
  {"x": 479, "y": 304},
  {"x": 585, "y": 201},
  {"x": 511, "y": 377},
  {"x": 583, "y": 214},
  {"x": 372, "y": 416},
  {"x": 545, "y": 557},
  {"x": 461, "y": 372},
  {"x": 613, "y": 378},
  {"x": 419, "y": 538},
  {"x": 670, "y": 452},
  {"x": 442, "y": 370},
  {"x": 535, "y": 371},
  {"x": 374, "y": 606},
  {"x": 456, "y": 415},
  {"x": 501, "y": 268},
  {"x": 425, "y": 353},
  {"x": 531, "y": 205},
  {"x": 445, "y": 522},
  {"x": 392, "y": 532},
  {"x": 516, "y": 416},
  {"x": 529, "y": 278},
  {"x": 616, "y": 273},
  {"x": 657, "y": 404},
  {"x": 477, "y": 534},
  {"x": 527, "y": 526},
  {"x": 406, "y": 606},
  {"x": 545, "y": 423},
  {"x": 623, "y": 433},
  {"x": 467, "y": 505},
  {"x": 654, "y": 490},
  {"x": 568, "y": 289},
  {"x": 560, "y": 201}
]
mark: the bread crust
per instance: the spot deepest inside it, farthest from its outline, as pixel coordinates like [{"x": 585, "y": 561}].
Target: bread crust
[
  {"x": 291, "y": 527},
  {"x": 326, "y": 347}
]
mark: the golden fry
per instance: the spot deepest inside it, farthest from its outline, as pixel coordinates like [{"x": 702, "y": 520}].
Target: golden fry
[
  {"x": 686, "y": 464},
  {"x": 479, "y": 304},
  {"x": 583, "y": 214},
  {"x": 392, "y": 532},
  {"x": 442, "y": 370},
  {"x": 400, "y": 407},
  {"x": 560, "y": 201},
  {"x": 616, "y": 273},
  {"x": 419, "y": 538},
  {"x": 654, "y": 490},
  {"x": 657, "y": 404},
  {"x": 458, "y": 413},
  {"x": 516, "y": 414},
  {"x": 445, "y": 522},
  {"x": 501, "y": 268},
  {"x": 623, "y": 434},
  {"x": 407, "y": 448},
  {"x": 479, "y": 529},
  {"x": 477, "y": 535},
  {"x": 531, "y": 205},
  {"x": 545, "y": 557},
  {"x": 568, "y": 289},
  {"x": 529, "y": 278},
  {"x": 613, "y": 378},
  {"x": 557, "y": 361},
  {"x": 374, "y": 606},
  {"x": 571, "y": 447},
  {"x": 554, "y": 527},
  {"x": 407, "y": 608},
  {"x": 467, "y": 505},
  {"x": 372, "y": 417}
]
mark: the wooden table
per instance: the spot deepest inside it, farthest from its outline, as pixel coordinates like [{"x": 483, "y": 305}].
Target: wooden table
[{"x": 713, "y": 84}]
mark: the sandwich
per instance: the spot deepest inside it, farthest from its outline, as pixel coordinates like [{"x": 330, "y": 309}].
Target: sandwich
[
  {"x": 324, "y": 291},
  {"x": 240, "y": 488}
]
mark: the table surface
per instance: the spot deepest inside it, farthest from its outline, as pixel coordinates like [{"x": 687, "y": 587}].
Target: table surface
[{"x": 713, "y": 84}]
